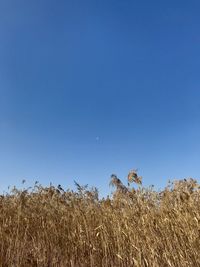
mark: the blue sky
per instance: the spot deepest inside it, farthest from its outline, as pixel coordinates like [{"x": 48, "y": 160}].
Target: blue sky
[{"x": 91, "y": 88}]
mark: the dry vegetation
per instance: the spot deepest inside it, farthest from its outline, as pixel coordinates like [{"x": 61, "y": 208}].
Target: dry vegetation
[{"x": 135, "y": 227}]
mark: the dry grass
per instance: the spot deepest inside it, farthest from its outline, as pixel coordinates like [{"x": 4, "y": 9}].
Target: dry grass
[{"x": 53, "y": 227}]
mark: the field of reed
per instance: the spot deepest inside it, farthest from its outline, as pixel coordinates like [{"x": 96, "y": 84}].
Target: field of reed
[{"x": 49, "y": 226}]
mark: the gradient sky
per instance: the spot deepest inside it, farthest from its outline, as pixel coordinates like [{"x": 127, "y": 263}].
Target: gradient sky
[{"x": 91, "y": 88}]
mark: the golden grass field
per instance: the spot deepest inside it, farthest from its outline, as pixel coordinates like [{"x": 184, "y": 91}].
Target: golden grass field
[{"x": 134, "y": 227}]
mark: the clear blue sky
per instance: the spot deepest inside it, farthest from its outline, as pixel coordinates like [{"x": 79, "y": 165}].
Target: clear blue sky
[{"x": 91, "y": 88}]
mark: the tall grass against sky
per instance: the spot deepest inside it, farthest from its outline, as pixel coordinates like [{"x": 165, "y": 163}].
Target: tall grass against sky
[
  {"x": 88, "y": 88},
  {"x": 48, "y": 226}
]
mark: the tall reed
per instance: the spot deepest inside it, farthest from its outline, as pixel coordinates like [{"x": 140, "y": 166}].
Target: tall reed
[{"x": 49, "y": 226}]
